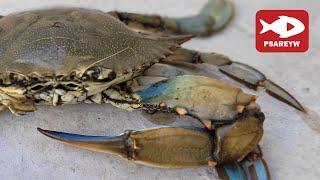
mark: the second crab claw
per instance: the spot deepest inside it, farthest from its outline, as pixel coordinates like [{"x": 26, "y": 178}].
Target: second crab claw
[
  {"x": 241, "y": 72},
  {"x": 255, "y": 79},
  {"x": 198, "y": 96}
]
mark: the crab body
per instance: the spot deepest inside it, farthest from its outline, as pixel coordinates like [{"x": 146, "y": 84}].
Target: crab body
[
  {"x": 61, "y": 56},
  {"x": 70, "y": 55}
]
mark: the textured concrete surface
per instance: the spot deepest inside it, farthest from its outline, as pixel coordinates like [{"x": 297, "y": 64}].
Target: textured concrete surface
[{"x": 290, "y": 147}]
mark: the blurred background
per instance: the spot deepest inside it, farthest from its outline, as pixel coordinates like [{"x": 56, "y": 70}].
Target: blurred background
[{"x": 290, "y": 148}]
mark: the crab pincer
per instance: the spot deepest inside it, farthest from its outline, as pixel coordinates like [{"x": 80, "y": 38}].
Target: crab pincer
[
  {"x": 179, "y": 147},
  {"x": 169, "y": 147}
]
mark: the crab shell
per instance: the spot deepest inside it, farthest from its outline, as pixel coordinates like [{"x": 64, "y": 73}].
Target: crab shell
[
  {"x": 88, "y": 51},
  {"x": 66, "y": 45}
]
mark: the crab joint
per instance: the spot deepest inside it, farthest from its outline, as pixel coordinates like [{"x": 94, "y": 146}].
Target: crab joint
[
  {"x": 181, "y": 111},
  {"x": 212, "y": 163},
  {"x": 240, "y": 108},
  {"x": 207, "y": 124},
  {"x": 162, "y": 105}
]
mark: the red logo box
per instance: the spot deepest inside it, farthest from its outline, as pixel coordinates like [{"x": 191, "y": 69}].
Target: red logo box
[{"x": 282, "y": 31}]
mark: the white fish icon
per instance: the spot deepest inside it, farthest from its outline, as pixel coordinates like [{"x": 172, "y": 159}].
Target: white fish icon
[{"x": 280, "y": 26}]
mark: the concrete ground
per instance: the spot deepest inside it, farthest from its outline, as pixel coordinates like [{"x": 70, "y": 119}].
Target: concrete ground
[{"x": 290, "y": 147}]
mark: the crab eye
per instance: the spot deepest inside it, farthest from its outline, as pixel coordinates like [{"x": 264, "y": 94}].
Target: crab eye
[
  {"x": 37, "y": 87},
  {"x": 100, "y": 74},
  {"x": 1, "y": 79},
  {"x": 70, "y": 86},
  {"x": 95, "y": 72},
  {"x": 17, "y": 79}
]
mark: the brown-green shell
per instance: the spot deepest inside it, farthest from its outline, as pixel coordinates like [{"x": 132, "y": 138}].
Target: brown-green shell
[{"x": 59, "y": 41}]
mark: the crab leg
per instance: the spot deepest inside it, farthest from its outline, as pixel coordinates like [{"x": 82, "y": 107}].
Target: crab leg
[
  {"x": 244, "y": 170},
  {"x": 213, "y": 17},
  {"x": 239, "y": 71},
  {"x": 15, "y": 101}
]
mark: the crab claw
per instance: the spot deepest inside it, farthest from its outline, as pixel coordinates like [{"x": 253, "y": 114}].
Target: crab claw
[
  {"x": 198, "y": 96},
  {"x": 164, "y": 147},
  {"x": 113, "y": 145},
  {"x": 255, "y": 79}
]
